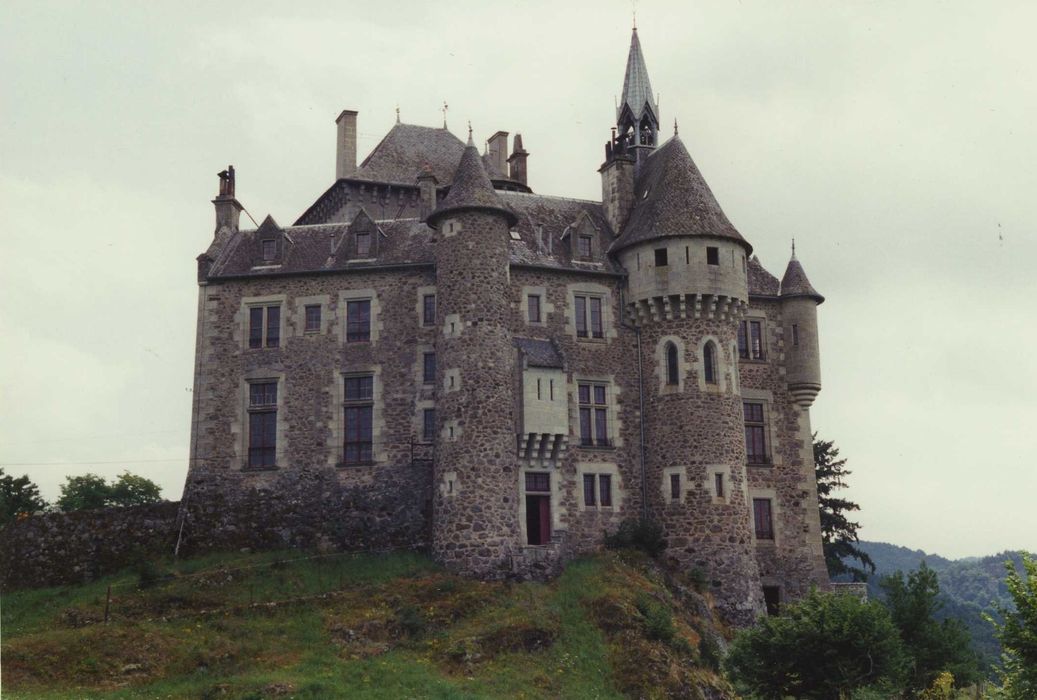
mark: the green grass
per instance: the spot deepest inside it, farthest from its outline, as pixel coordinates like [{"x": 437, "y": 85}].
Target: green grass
[{"x": 390, "y": 626}]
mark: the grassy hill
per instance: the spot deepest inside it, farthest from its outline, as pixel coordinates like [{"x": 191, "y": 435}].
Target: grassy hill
[
  {"x": 362, "y": 626},
  {"x": 969, "y": 588}
]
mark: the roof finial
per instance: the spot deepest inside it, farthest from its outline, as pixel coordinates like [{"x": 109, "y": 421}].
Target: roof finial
[
  {"x": 793, "y": 248},
  {"x": 470, "y": 142},
  {"x": 397, "y": 113},
  {"x": 443, "y": 110},
  {"x": 675, "y": 126}
]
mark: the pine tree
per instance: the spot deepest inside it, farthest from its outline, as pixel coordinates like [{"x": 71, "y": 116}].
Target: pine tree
[{"x": 838, "y": 533}]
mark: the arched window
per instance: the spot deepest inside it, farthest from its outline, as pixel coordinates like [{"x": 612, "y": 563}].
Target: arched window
[
  {"x": 709, "y": 362},
  {"x": 672, "y": 368}
]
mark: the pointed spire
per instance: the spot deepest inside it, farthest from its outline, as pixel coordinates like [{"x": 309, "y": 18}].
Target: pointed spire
[
  {"x": 637, "y": 88},
  {"x": 471, "y": 189},
  {"x": 794, "y": 283}
]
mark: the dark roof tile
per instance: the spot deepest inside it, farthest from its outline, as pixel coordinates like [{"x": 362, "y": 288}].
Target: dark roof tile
[
  {"x": 671, "y": 198},
  {"x": 540, "y": 353},
  {"x": 404, "y": 151},
  {"x": 794, "y": 282},
  {"x": 761, "y": 282}
]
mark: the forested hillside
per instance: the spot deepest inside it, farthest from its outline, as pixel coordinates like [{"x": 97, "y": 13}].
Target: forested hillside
[{"x": 968, "y": 587}]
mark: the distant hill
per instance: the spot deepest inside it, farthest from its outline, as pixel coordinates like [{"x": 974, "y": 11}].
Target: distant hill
[{"x": 969, "y": 587}]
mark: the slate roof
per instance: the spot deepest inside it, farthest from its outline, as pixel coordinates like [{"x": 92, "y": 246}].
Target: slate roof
[
  {"x": 404, "y": 151},
  {"x": 542, "y": 223},
  {"x": 794, "y": 282},
  {"x": 470, "y": 188},
  {"x": 320, "y": 248},
  {"x": 540, "y": 353},
  {"x": 671, "y": 198},
  {"x": 637, "y": 88},
  {"x": 761, "y": 282}
]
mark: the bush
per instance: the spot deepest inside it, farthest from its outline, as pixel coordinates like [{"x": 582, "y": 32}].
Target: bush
[
  {"x": 658, "y": 619},
  {"x": 709, "y": 651},
  {"x": 643, "y": 535},
  {"x": 825, "y": 646},
  {"x": 411, "y": 621},
  {"x": 148, "y": 574}
]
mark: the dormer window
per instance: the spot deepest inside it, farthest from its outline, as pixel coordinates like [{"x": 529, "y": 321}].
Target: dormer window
[
  {"x": 583, "y": 246},
  {"x": 363, "y": 244},
  {"x": 269, "y": 249}
]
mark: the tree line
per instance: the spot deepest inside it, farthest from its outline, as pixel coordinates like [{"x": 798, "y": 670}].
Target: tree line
[{"x": 20, "y": 497}]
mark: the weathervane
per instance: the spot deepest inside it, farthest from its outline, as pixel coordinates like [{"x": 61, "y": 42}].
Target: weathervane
[
  {"x": 397, "y": 113},
  {"x": 445, "y": 108}
]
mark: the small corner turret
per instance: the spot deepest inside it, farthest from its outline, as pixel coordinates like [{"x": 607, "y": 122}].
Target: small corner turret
[{"x": 799, "y": 301}]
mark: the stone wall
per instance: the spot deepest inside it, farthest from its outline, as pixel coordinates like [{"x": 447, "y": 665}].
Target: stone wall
[{"x": 69, "y": 548}]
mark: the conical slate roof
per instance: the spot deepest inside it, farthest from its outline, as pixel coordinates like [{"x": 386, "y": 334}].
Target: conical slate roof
[
  {"x": 761, "y": 282},
  {"x": 672, "y": 199},
  {"x": 471, "y": 189},
  {"x": 637, "y": 88},
  {"x": 795, "y": 283}
]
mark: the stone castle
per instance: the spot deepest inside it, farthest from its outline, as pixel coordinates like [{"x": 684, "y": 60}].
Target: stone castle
[{"x": 435, "y": 356}]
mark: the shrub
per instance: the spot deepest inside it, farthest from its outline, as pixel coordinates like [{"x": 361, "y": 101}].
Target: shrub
[
  {"x": 411, "y": 621},
  {"x": 644, "y": 535},
  {"x": 658, "y": 619},
  {"x": 709, "y": 651}
]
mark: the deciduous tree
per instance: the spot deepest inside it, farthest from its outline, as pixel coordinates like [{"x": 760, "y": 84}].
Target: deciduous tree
[
  {"x": 18, "y": 496},
  {"x": 1018, "y": 632}
]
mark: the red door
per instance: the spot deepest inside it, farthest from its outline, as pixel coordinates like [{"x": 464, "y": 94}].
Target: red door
[{"x": 538, "y": 519}]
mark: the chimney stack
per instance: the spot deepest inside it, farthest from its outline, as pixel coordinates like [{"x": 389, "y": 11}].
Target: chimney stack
[
  {"x": 228, "y": 209},
  {"x": 345, "y": 153},
  {"x": 499, "y": 151},
  {"x": 517, "y": 161}
]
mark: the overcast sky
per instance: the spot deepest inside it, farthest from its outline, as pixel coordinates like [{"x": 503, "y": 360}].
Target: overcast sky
[{"x": 897, "y": 142}]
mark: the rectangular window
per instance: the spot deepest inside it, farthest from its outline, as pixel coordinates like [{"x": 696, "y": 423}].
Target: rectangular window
[
  {"x": 358, "y": 321},
  {"x": 428, "y": 369},
  {"x": 660, "y": 257},
  {"x": 718, "y": 483},
  {"x": 264, "y": 326},
  {"x": 533, "y": 308},
  {"x": 359, "y": 423},
  {"x": 597, "y": 330},
  {"x": 581, "y": 317},
  {"x": 593, "y": 409},
  {"x": 583, "y": 246},
  {"x": 313, "y": 318},
  {"x": 795, "y": 334},
  {"x": 589, "y": 319},
  {"x": 605, "y": 489},
  {"x": 588, "y": 490},
  {"x": 712, "y": 255},
  {"x": 428, "y": 424},
  {"x": 269, "y": 249},
  {"x": 538, "y": 482},
  {"x": 428, "y": 310},
  {"x": 675, "y": 487},
  {"x": 755, "y": 433},
  {"x": 762, "y": 519},
  {"x": 772, "y": 599},
  {"x": 750, "y": 340},
  {"x": 363, "y": 244},
  {"x": 262, "y": 424}
]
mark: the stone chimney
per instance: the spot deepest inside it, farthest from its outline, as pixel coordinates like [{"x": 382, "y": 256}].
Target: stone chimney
[
  {"x": 498, "y": 147},
  {"x": 517, "y": 161},
  {"x": 427, "y": 189},
  {"x": 228, "y": 209},
  {"x": 345, "y": 152}
]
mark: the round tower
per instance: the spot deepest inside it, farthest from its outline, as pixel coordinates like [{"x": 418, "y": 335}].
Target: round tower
[
  {"x": 799, "y": 302},
  {"x": 475, "y": 509},
  {"x": 687, "y": 291}
]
